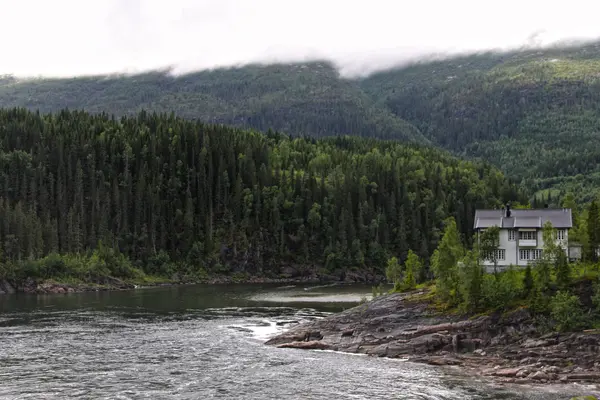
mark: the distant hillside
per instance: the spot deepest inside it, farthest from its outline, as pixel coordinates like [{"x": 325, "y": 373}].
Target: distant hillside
[
  {"x": 533, "y": 113},
  {"x": 307, "y": 99}
]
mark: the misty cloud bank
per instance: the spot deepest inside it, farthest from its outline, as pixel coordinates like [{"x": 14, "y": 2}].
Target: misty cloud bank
[{"x": 71, "y": 37}]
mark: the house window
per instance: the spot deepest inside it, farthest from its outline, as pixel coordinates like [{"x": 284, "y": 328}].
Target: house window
[
  {"x": 500, "y": 254},
  {"x": 561, "y": 234},
  {"x": 524, "y": 254},
  {"x": 527, "y": 235},
  {"x": 511, "y": 235},
  {"x": 530, "y": 254}
]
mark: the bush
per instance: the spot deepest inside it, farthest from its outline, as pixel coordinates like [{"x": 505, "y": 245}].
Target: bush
[
  {"x": 596, "y": 297},
  {"x": 116, "y": 262},
  {"x": 565, "y": 309},
  {"x": 160, "y": 264},
  {"x": 393, "y": 270},
  {"x": 53, "y": 266},
  {"x": 502, "y": 291},
  {"x": 377, "y": 290},
  {"x": 528, "y": 281}
]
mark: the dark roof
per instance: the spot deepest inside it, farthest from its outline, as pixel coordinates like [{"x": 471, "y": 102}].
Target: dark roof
[{"x": 524, "y": 218}]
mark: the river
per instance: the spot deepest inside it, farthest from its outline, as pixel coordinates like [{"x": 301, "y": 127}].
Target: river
[{"x": 201, "y": 342}]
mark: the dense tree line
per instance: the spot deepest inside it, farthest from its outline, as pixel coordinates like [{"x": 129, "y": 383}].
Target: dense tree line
[
  {"x": 533, "y": 113},
  {"x": 300, "y": 99},
  {"x": 174, "y": 195}
]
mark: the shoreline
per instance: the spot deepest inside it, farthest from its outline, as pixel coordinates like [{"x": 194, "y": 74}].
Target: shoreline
[
  {"x": 51, "y": 286},
  {"x": 506, "y": 348}
]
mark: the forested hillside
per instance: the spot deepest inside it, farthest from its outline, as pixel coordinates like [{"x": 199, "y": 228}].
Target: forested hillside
[
  {"x": 174, "y": 195},
  {"x": 535, "y": 114},
  {"x": 303, "y": 99}
]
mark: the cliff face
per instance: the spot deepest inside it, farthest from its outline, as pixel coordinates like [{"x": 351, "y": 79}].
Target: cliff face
[{"x": 508, "y": 347}]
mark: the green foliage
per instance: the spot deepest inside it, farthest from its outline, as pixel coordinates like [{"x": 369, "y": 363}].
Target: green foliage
[
  {"x": 488, "y": 242},
  {"x": 393, "y": 270},
  {"x": 528, "y": 282},
  {"x": 93, "y": 267},
  {"x": 301, "y": 99},
  {"x": 566, "y": 311},
  {"x": 475, "y": 291},
  {"x": 563, "y": 271},
  {"x": 596, "y": 297},
  {"x": 444, "y": 261},
  {"x": 503, "y": 291},
  {"x": 471, "y": 275},
  {"x": 539, "y": 301},
  {"x": 404, "y": 277},
  {"x": 377, "y": 291},
  {"x": 543, "y": 273},
  {"x": 178, "y": 197},
  {"x": 532, "y": 113},
  {"x": 593, "y": 231},
  {"x": 412, "y": 268}
]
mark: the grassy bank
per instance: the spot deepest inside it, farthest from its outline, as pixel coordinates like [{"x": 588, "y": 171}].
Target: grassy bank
[
  {"x": 558, "y": 304},
  {"x": 561, "y": 296},
  {"x": 107, "y": 269}
]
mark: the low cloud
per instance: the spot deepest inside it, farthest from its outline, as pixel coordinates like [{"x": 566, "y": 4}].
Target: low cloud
[{"x": 73, "y": 37}]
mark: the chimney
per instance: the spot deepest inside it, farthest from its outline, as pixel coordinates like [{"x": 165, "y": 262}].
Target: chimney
[{"x": 507, "y": 210}]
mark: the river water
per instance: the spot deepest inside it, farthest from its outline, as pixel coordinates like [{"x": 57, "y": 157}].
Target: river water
[{"x": 202, "y": 342}]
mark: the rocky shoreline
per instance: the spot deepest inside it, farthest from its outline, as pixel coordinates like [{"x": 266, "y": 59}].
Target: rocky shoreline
[
  {"x": 507, "y": 347},
  {"x": 32, "y": 286}
]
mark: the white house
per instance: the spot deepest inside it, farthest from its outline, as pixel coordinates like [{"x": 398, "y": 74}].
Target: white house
[{"x": 521, "y": 240}]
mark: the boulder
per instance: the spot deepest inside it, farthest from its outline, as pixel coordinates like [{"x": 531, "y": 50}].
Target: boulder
[
  {"x": 311, "y": 345},
  {"x": 507, "y": 372},
  {"x": 6, "y": 287},
  {"x": 539, "y": 376}
]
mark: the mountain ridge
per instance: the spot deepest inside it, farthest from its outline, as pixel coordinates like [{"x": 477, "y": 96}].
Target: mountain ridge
[{"x": 533, "y": 113}]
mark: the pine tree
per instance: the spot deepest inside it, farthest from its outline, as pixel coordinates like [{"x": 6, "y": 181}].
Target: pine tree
[
  {"x": 593, "y": 229},
  {"x": 445, "y": 260},
  {"x": 528, "y": 281},
  {"x": 412, "y": 270}
]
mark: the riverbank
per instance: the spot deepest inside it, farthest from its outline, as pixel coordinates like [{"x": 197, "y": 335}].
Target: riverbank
[
  {"x": 508, "y": 347},
  {"x": 54, "y": 286},
  {"x": 71, "y": 284}
]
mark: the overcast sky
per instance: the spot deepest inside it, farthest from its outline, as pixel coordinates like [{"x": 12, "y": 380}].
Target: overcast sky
[{"x": 75, "y": 37}]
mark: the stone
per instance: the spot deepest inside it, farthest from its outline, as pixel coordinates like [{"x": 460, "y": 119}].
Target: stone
[
  {"x": 531, "y": 343},
  {"x": 507, "y": 372},
  {"x": 539, "y": 376},
  {"x": 523, "y": 373},
  {"x": 584, "y": 376},
  {"x": 311, "y": 345},
  {"x": 412, "y": 330}
]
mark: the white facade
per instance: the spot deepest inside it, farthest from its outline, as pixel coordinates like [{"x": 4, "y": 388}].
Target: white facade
[
  {"x": 522, "y": 246},
  {"x": 521, "y": 239}
]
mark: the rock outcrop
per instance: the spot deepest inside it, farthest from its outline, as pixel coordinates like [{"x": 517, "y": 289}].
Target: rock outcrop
[
  {"x": 6, "y": 287},
  {"x": 32, "y": 286},
  {"x": 507, "y": 347}
]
